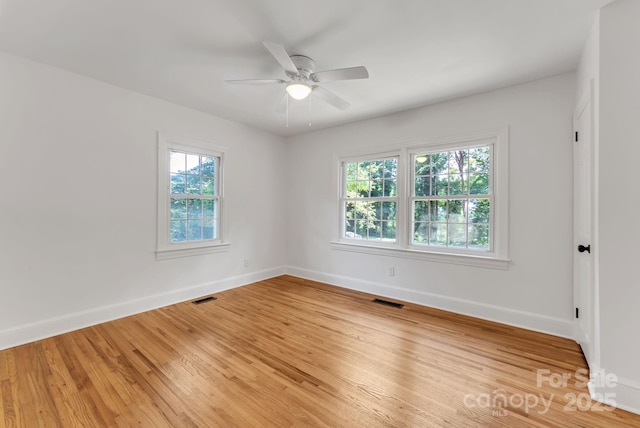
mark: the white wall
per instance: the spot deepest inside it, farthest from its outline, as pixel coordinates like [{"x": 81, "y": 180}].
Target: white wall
[
  {"x": 536, "y": 290},
  {"x": 78, "y": 172},
  {"x": 619, "y": 229}
]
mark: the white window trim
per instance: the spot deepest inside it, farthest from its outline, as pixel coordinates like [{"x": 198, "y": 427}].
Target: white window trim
[
  {"x": 498, "y": 258},
  {"x": 165, "y": 248}
]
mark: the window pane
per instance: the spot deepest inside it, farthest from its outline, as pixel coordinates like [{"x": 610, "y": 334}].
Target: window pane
[
  {"x": 421, "y": 211},
  {"x": 458, "y": 161},
  {"x": 479, "y": 236},
  {"x": 457, "y": 235},
  {"x": 193, "y": 184},
  {"x": 391, "y": 169},
  {"x": 388, "y": 210},
  {"x": 421, "y": 233},
  {"x": 374, "y": 230},
  {"x": 364, "y": 171},
  {"x": 178, "y": 208},
  {"x": 390, "y": 188},
  {"x": 358, "y": 210},
  {"x": 352, "y": 171},
  {"x": 438, "y": 210},
  {"x": 209, "y": 208},
  {"x": 375, "y": 210},
  {"x": 208, "y": 186},
  {"x": 439, "y": 163},
  {"x": 377, "y": 168},
  {"x": 350, "y": 230},
  {"x": 455, "y": 184},
  {"x": 440, "y": 185},
  {"x": 209, "y": 231},
  {"x": 479, "y": 210},
  {"x": 389, "y": 230},
  {"x": 422, "y": 165},
  {"x": 194, "y": 208},
  {"x": 479, "y": 184},
  {"x": 457, "y": 211},
  {"x": 479, "y": 159},
  {"x": 177, "y": 161},
  {"x": 193, "y": 164},
  {"x": 423, "y": 186},
  {"x": 178, "y": 230},
  {"x": 438, "y": 234},
  {"x": 208, "y": 166},
  {"x": 194, "y": 230},
  {"x": 376, "y": 188},
  {"x": 178, "y": 183},
  {"x": 361, "y": 228}
]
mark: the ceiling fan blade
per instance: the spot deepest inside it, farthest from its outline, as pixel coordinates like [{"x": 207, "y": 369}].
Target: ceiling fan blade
[
  {"x": 330, "y": 97},
  {"x": 341, "y": 74},
  {"x": 281, "y": 55},
  {"x": 281, "y": 107},
  {"x": 255, "y": 81}
]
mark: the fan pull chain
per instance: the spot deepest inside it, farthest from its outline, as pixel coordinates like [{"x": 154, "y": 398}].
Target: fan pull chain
[
  {"x": 287, "y": 97},
  {"x": 309, "y": 112}
]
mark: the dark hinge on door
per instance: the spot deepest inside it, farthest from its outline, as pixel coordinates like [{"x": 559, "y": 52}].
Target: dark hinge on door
[
  {"x": 576, "y": 136},
  {"x": 577, "y": 312}
]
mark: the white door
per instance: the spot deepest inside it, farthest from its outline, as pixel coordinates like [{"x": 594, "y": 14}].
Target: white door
[{"x": 583, "y": 261}]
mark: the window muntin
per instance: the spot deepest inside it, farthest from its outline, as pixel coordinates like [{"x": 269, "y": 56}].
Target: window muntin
[
  {"x": 452, "y": 198},
  {"x": 194, "y": 197},
  {"x": 370, "y": 201}
]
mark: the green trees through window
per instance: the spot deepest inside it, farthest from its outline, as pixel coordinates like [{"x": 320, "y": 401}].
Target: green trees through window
[
  {"x": 452, "y": 198},
  {"x": 194, "y": 197},
  {"x": 371, "y": 199},
  {"x": 448, "y": 197}
]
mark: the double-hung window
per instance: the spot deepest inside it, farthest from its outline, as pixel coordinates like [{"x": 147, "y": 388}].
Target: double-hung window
[
  {"x": 189, "y": 197},
  {"x": 370, "y": 199},
  {"x": 452, "y": 198},
  {"x": 443, "y": 200}
]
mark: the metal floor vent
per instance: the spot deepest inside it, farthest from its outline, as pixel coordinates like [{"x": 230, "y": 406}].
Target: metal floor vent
[
  {"x": 388, "y": 303},
  {"x": 204, "y": 300}
]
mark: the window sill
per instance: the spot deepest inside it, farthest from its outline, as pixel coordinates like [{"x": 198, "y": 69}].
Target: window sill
[
  {"x": 458, "y": 259},
  {"x": 174, "y": 253}
]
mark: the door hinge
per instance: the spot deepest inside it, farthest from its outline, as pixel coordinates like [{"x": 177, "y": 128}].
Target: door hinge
[
  {"x": 576, "y": 136},
  {"x": 577, "y": 312}
]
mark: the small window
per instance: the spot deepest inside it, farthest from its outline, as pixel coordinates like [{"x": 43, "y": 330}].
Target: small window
[
  {"x": 370, "y": 199},
  {"x": 189, "y": 197}
]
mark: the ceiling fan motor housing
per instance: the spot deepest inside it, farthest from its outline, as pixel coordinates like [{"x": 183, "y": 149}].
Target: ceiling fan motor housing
[{"x": 305, "y": 65}]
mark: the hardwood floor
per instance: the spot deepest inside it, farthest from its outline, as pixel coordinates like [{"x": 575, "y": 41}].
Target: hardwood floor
[{"x": 289, "y": 352}]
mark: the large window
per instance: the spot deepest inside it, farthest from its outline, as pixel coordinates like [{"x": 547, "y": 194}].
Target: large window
[
  {"x": 452, "y": 198},
  {"x": 189, "y": 197},
  {"x": 445, "y": 199}
]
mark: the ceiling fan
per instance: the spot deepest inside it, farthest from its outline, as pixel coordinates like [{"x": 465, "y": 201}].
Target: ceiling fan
[{"x": 303, "y": 78}]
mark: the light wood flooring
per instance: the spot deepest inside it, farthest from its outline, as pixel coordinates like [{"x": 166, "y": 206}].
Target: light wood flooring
[{"x": 289, "y": 352}]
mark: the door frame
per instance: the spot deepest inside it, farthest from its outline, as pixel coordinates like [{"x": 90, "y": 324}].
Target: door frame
[{"x": 587, "y": 100}]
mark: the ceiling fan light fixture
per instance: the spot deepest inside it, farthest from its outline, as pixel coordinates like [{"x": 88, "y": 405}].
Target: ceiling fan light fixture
[{"x": 298, "y": 91}]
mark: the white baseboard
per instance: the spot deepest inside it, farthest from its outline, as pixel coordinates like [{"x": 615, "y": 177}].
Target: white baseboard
[
  {"x": 51, "y": 327},
  {"x": 526, "y": 320},
  {"x": 621, "y": 393}
]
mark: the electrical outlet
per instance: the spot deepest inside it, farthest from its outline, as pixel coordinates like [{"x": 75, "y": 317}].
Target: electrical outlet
[
  {"x": 246, "y": 263},
  {"x": 392, "y": 271}
]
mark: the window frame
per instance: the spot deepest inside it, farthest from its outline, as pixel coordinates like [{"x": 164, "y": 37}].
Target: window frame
[
  {"x": 412, "y": 153},
  {"x": 404, "y": 247},
  {"x": 165, "y": 248},
  {"x": 343, "y": 190}
]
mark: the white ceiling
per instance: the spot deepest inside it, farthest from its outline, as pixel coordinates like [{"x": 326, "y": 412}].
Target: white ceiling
[{"x": 417, "y": 52}]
